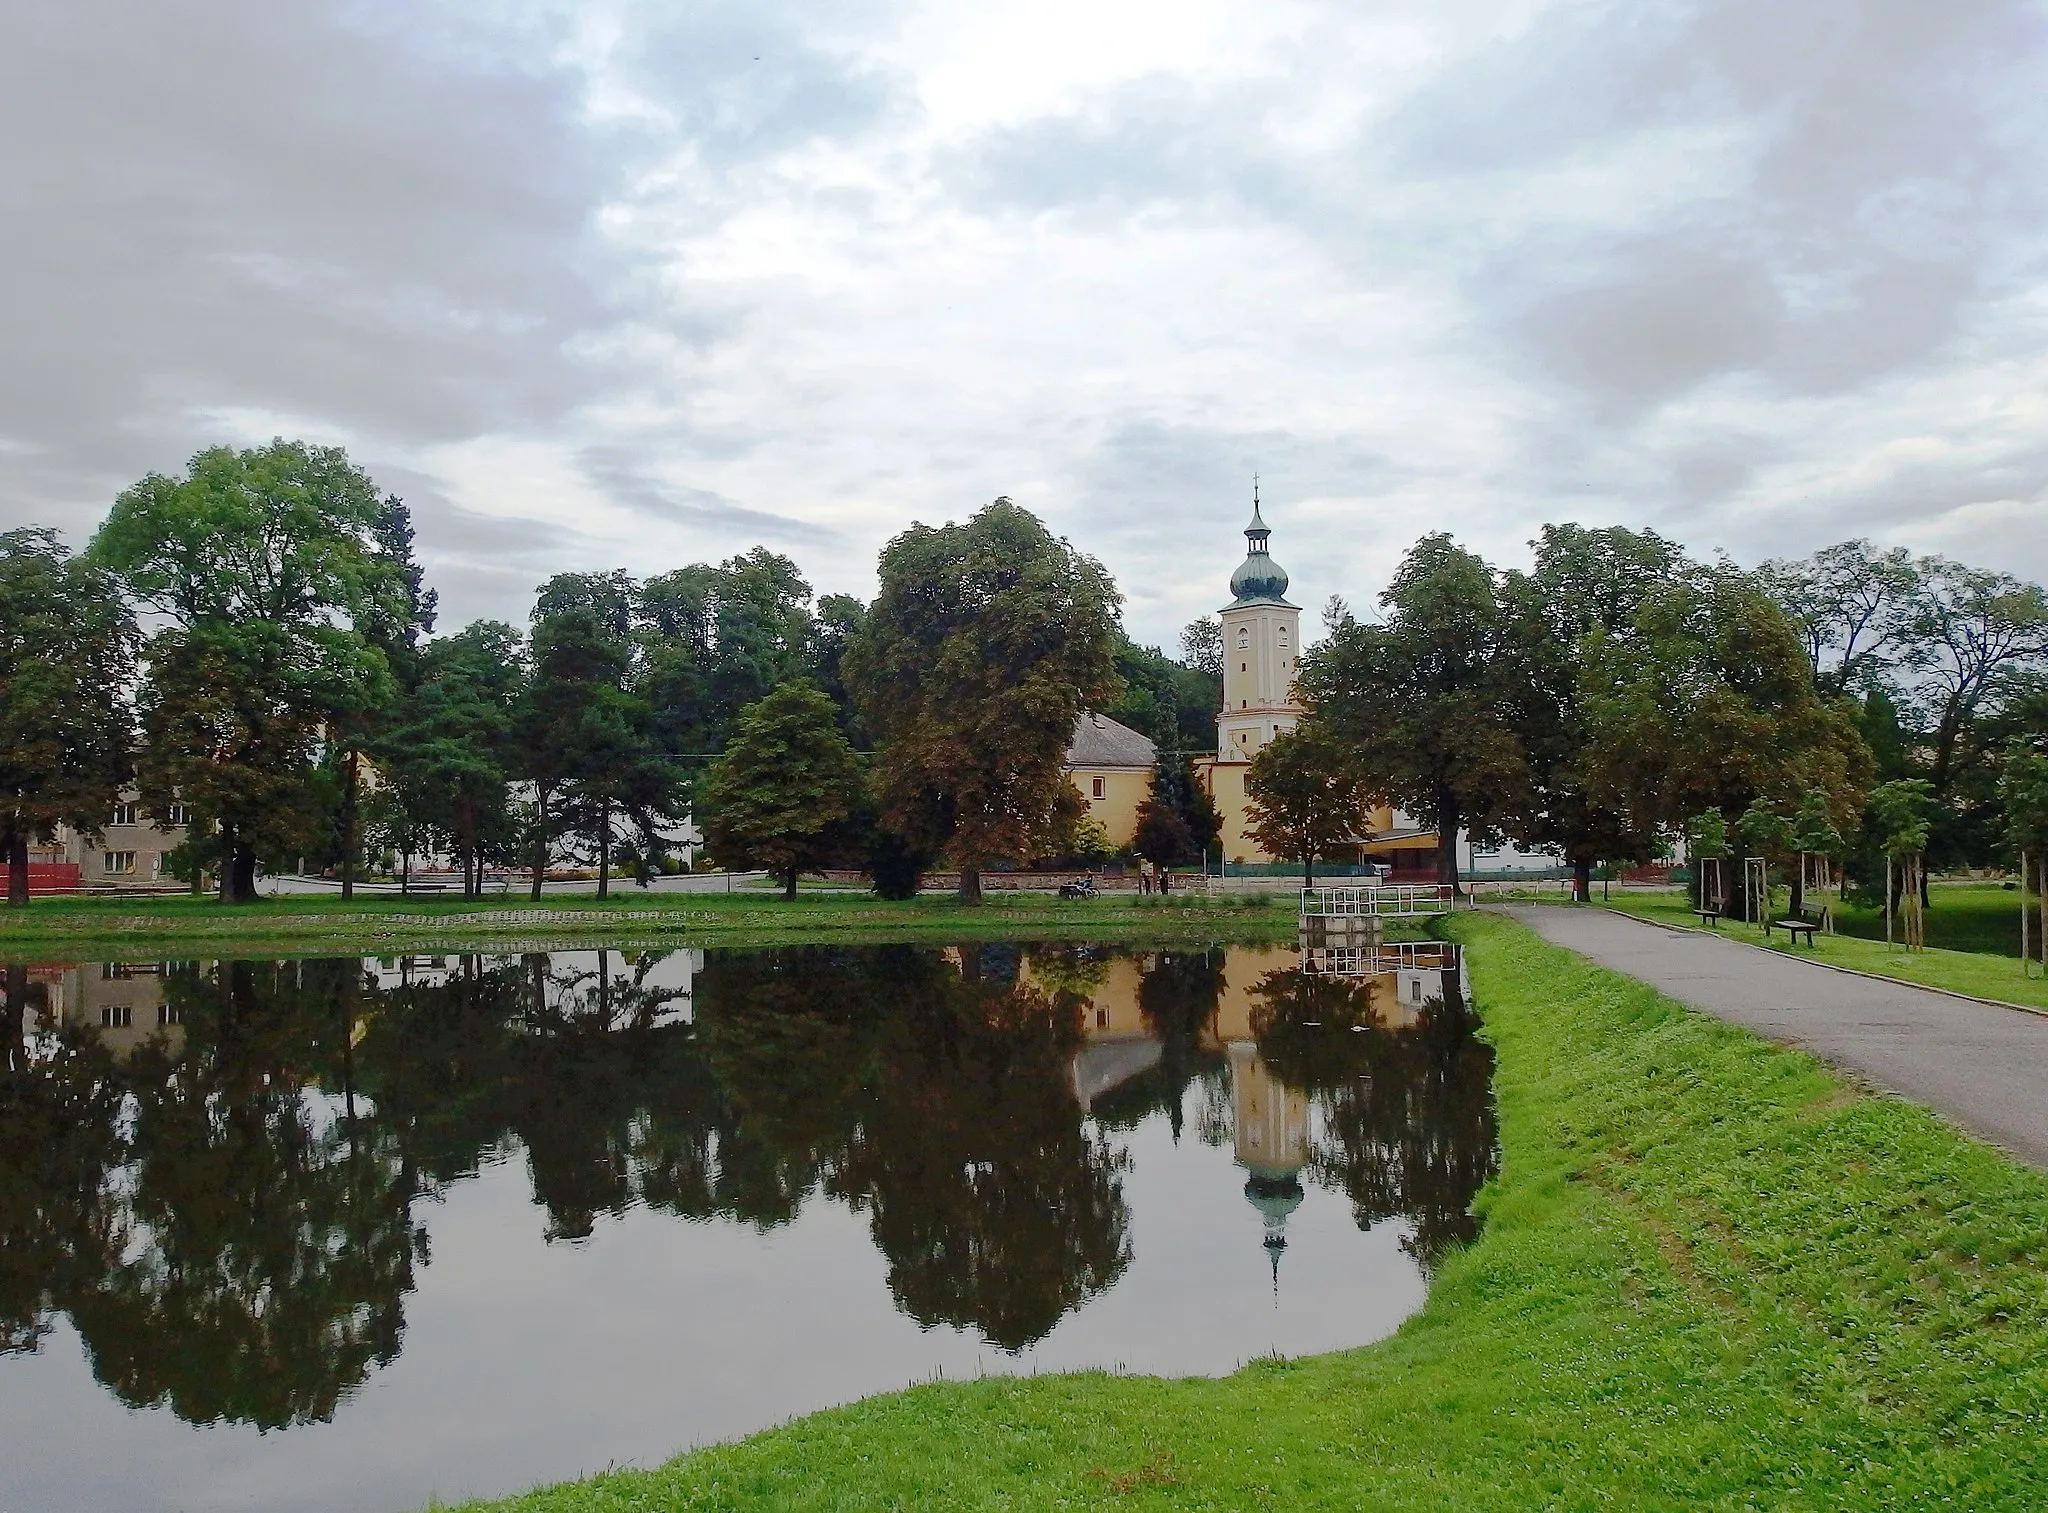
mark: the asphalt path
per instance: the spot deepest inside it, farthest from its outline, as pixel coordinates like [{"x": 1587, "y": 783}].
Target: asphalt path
[{"x": 1984, "y": 1067}]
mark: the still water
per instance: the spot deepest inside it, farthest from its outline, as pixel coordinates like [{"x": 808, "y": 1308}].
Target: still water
[{"x": 349, "y": 1234}]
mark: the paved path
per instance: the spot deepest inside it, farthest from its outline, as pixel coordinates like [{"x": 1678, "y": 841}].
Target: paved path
[{"x": 1984, "y": 1067}]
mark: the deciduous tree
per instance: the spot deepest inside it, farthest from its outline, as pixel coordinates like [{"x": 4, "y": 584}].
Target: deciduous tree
[
  {"x": 788, "y": 782},
  {"x": 987, "y": 642},
  {"x": 67, "y": 658},
  {"x": 1421, "y": 700},
  {"x": 267, "y": 566},
  {"x": 1309, "y": 796}
]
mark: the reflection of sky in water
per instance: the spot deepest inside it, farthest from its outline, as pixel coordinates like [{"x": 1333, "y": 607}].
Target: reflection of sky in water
[{"x": 524, "y": 1360}]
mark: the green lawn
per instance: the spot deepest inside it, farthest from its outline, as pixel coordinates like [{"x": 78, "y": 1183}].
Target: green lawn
[
  {"x": 308, "y": 924},
  {"x": 1958, "y": 970},
  {"x": 1711, "y": 1275}
]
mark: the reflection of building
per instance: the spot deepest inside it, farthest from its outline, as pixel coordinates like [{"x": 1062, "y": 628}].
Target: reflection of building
[
  {"x": 1400, "y": 979},
  {"x": 1270, "y": 1141},
  {"x": 123, "y": 1001}
]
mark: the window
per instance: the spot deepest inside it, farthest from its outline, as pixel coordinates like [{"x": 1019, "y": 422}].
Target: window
[
  {"x": 1097, "y": 785},
  {"x": 1283, "y": 638},
  {"x": 125, "y": 814},
  {"x": 178, "y": 815},
  {"x": 167, "y": 1014},
  {"x": 120, "y": 861},
  {"x": 116, "y": 1016},
  {"x": 1102, "y": 1019},
  {"x": 1244, "y": 638}
]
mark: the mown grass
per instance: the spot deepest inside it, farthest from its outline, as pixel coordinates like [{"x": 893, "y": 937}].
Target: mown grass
[
  {"x": 1980, "y": 974},
  {"x": 1712, "y": 1275},
  {"x": 310, "y": 924}
]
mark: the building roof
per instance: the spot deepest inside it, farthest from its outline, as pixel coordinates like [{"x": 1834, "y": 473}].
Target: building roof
[{"x": 1100, "y": 742}]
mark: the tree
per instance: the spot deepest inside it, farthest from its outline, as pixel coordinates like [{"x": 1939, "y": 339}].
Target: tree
[
  {"x": 1162, "y": 835},
  {"x": 587, "y": 740},
  {"x": 394, "y": 626},
  {"x": 1902, "y": 815},
  {"x": 1308, "y": 797},
  {"x": 1201, "y": 646},
  {"x": 1708, "y": 701},
  {"x": 1970, "y": 633},
  {"x": 1811, "y": 831},
  {"x": 1583, "y": 582},
  {"x": 780, "y": 795},
  {"x": 449, "y": 745},
  {"x": 67, "y": 659},
  {"x": 2023, "y": 792},
  {"x": 1852, "y": 605},
  {"x": 267, "y": 565},
  {"x": 1422, "y": 700},
  {"x": 987, "y": 641}
]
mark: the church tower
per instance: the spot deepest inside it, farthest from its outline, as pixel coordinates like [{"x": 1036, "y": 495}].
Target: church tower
[{"x": 1261, "y": 651}]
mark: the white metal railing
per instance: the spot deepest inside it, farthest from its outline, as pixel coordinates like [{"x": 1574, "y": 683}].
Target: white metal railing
[
  {"x": 1405, "y": 902},
  {"x": 1370, "y": 961}
]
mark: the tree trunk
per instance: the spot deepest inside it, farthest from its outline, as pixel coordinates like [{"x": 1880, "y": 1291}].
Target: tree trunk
[
  {"x": 789, "y": 884},
  {"x": 350, "y": 779},
  {"x": 1308, "y": 871},
  {"x": 1582, "y": 879},
  {"x": 604, "y": 849},
  {"x": 1799, "y": 886},
  {"x": 226, "y": 880},
  {"x": 540, "y": 839},
  {"x": 405, "y": 866},
  {"x": 17, "y": 870},
  {"x": 241, "y": 879},
  {"x": 1448, "y": 813},
  {"x": 970, "y": 885}
]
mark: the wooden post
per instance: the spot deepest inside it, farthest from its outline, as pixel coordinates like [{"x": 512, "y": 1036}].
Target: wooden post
[
  {"x": 2026, "y": 959},
  {"x": 1887, "y": 898}
]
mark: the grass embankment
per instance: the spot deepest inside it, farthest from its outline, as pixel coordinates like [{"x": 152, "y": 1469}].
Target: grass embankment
[
  {"x": 1978, "y": 973},
  {"x": 310, "y": 924},
  {"x": 1712, "y": 1275}
]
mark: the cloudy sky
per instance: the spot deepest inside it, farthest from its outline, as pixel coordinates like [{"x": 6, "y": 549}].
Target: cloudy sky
[{"x": 645, "y": 282}]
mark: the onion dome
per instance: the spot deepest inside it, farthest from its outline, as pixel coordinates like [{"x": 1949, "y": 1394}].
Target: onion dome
[{"x": 1258, "y": 579}]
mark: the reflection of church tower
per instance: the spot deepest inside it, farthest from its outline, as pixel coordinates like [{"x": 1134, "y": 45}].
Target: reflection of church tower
[
  {"x": 1261, "y": 651},
  {"x": 1271, "y": 1144}
]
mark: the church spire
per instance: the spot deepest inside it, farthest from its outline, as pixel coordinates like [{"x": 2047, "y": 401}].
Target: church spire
[{"x": 1259, "y": 579}]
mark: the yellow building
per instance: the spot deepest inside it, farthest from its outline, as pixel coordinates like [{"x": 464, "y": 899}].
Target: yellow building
[{"x": 1110, "y": 766}]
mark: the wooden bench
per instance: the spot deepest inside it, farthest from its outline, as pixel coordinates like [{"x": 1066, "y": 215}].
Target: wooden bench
[
  {"x": 1793, "y": 927},
  {"x": 1711, "y": 918}
]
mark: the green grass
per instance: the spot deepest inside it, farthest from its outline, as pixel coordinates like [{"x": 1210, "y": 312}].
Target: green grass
[
  {"x": 305, "y": 924},
  {"x": 1958, "y": 971},
  {"x": 1712, "y": 1275}
]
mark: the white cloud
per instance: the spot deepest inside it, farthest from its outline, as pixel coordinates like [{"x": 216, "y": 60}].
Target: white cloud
[{"x": 622, "y": 283}]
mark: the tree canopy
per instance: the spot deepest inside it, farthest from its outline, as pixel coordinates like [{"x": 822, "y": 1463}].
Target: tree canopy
[
  {"x": 987, "y": 641},
  {"x": 781, "y": 795},
  {"x": 67, "y": 658}
]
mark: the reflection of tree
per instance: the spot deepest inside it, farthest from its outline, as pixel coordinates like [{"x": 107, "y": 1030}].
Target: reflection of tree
[
  {"x": 996, "y": 1208},
  {"x": 276, "y": 1246},
  {"x": 938, "y": 1101},
  {"x": 59, "y": 1140},
  {"x": 1408, "y": 1126}
]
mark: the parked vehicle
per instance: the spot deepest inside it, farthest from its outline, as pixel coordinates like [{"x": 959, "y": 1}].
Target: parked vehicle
[{"x": 1080, "y": 887}]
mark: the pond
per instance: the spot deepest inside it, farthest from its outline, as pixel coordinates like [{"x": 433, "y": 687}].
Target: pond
[{"x": 355, "y": 1234}]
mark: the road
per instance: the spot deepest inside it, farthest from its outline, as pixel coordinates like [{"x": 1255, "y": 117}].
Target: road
[{"x": 1985, "y": 1068}]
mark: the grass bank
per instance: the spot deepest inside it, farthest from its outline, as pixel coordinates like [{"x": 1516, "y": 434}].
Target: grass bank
[
  {"x": 1712, "y": 1275},
  {"x": 1981, "y": 974},
  {"x": 311, "y": 924}
]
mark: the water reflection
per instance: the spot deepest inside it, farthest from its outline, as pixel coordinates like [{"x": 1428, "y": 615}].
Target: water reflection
[{"x": 219, "y": 1174}]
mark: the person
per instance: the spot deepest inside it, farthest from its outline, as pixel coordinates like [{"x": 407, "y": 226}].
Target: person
[
  {"x": 1145, "y": 875},
  {"x": 1165, "y": 881}
]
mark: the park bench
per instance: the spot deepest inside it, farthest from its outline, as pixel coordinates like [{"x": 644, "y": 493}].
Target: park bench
[
  {"x": 1711, "y": 918},
  {"x": 1793, "y": 927}
]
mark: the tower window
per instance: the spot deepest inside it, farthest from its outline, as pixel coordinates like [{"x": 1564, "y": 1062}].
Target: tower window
[
  {"x": 1244, "y": 637},
  {"x": 1242, "y": 668},
  {"x": 1098, "y": 787}
]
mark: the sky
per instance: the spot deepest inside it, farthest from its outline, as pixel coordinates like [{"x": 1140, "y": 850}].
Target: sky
[{"x": 638, "y": 284}]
